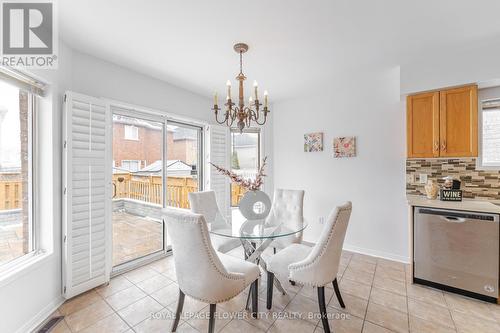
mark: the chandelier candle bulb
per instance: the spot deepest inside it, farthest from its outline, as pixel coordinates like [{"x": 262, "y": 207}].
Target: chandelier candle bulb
[
  {"x": 255, "y": 86},
  {"x": 265, "y": 98},
  {"x": 250, "y": 100},
  {"x": 228, "y": 83},
  {"x": 215, "y": 99}
]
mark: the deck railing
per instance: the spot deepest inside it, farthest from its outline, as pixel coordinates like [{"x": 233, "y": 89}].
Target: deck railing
[
  {"x": 125, "y": 185},
  {"x": 10, "y": 190},
  {"x": 149, "y": 188}
]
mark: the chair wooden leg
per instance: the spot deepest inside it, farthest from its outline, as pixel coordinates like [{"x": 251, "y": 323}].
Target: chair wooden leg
[
  {"x": 274, "y": 250},
  {"x": 270, "y": 284},
  {"x": 178, "y": 313},
  {"x": 255, "y": 298},
  {"x": 211, "y": 321},
  {"x": 337, "y": 292},
  {"x": 292, "y": 282},
  {"x": 322, "y": 309}
]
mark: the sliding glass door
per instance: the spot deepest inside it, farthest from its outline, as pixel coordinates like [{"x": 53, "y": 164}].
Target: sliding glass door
[
  {"x": 184, "y": 145},
  {"x": 137, "y": 188},
  {"x": 156, "y": 163}
]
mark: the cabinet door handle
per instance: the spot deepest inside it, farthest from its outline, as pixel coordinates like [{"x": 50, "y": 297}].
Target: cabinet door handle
[
  {"x": 436, "y": 146},
  {"x": 443, "y": 145}
]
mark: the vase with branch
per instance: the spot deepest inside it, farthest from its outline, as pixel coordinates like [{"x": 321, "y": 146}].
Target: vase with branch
[
  {"x": 255, "y": 204},
  {"x": 247, "y": 183}
]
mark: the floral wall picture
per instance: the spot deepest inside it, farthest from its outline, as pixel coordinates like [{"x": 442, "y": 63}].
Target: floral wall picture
[
  {"x": 344, "y": 146},
  {"x": 313, "y": 142}
]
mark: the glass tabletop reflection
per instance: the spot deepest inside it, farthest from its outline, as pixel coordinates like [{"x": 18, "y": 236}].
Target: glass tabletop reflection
[{"x": 254, "y": 229}]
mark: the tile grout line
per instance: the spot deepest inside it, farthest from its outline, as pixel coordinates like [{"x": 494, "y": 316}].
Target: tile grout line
[
  {"x": 407, "y": 302},
  {"x": 115, "y": 311},
  {"x": 448, "y": 306},
  {"x": 272, "y": 324},
  {"x": 369, "y": 296}
]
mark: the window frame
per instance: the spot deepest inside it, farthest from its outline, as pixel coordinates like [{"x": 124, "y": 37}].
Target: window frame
[
  {"x": 135, "y": 138},
  {"x": 480, "y": 165},
  {"x": 33, "y": 225}
]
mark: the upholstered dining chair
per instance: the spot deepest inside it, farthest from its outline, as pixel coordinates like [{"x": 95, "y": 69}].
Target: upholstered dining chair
[
  {"x": 202, "y": 273},
  {"x": 205, "y": 203},
  {"x": 313, "y": 266},
  {"x": 287, "y": 209}
]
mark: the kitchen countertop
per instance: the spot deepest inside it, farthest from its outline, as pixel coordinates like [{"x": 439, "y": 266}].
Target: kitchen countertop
[{"x": 467, "y": 205}]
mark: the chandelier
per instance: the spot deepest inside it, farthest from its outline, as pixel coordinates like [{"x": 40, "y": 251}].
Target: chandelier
[{"x": 244, "y": 115}]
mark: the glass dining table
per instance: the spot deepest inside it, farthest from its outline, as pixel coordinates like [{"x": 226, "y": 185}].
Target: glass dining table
[{"x": 256, "y": 236}]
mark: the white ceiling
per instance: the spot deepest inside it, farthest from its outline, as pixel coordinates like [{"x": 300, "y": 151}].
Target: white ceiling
[{"x": 293, "y": 43}]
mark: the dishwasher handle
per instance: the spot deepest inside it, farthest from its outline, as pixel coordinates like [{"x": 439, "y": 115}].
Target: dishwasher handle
[{"x": 453, "y": 219}]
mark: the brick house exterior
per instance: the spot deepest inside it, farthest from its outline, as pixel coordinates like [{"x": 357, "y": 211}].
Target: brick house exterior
[{"x": 146, "y": 146}]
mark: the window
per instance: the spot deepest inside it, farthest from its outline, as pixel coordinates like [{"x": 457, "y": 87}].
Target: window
[
  {"x": 131, "y": 165},
  {"x": 17, "y": 237},
  {"x": 245, "y": 159},
  {"x": 131, "y": 132},
  {"x": 490, "y": 134}
]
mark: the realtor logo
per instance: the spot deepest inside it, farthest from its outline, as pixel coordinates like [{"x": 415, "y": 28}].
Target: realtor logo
[{"x": 28, "y": 34}]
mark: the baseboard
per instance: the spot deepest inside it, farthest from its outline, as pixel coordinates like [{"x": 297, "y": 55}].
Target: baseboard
[
  {"x": 376, "y": 253},
  {"x": 369, "y": 252},
  {"x": 41, "y": 316}
]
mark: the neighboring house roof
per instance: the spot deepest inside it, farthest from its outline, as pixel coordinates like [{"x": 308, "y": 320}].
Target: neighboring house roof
[
  {"x": 135, "y": 122},
  {"x": 174, "y": 167}
]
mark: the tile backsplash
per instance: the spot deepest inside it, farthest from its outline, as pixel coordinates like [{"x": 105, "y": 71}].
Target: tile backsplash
[{"x": 476, "y": 184}]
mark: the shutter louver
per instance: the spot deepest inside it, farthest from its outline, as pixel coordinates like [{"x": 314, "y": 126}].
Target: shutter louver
[
  {"x": 86, "y": 226},
  {"x": 218, "y": 154}
]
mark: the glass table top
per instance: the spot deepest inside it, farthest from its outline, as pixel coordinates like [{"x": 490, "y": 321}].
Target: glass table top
[{"x": 253, "y": 229}]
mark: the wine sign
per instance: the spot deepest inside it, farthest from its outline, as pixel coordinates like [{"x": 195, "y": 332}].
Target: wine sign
[{"x": 450, "y": 195}]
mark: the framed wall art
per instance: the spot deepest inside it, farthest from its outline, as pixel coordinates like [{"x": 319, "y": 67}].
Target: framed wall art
[
  {"x": 344, "y": 146},
  {"x": 313, "y": 142}
]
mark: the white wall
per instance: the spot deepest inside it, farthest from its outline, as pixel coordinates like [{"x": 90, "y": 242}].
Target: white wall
[
  {"x": 365, "y": 104},
  {"x": 466, "y": 63},
  {"x": 99, "y": 78}
]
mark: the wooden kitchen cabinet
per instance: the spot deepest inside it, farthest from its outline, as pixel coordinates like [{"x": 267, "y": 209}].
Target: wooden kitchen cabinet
[
  {"x": 422, "y": 121},
  {"x": 442, "y": 123},
  {"x": 458, "y": 122}
]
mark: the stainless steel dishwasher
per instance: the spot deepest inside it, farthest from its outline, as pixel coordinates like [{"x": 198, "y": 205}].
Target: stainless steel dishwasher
[{"x": 457, "y": 251}]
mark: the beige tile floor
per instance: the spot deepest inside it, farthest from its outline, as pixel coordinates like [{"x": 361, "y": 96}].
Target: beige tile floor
[{"x": 377, "y": 293}]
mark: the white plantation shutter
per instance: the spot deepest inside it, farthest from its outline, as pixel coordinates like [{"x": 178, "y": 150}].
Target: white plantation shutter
[
  {"x": 218, "y": 152},
  {"x": 87, "y": 204}
]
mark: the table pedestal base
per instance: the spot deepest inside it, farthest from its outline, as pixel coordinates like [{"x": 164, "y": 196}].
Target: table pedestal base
[{"x": 253, "y": 253}]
